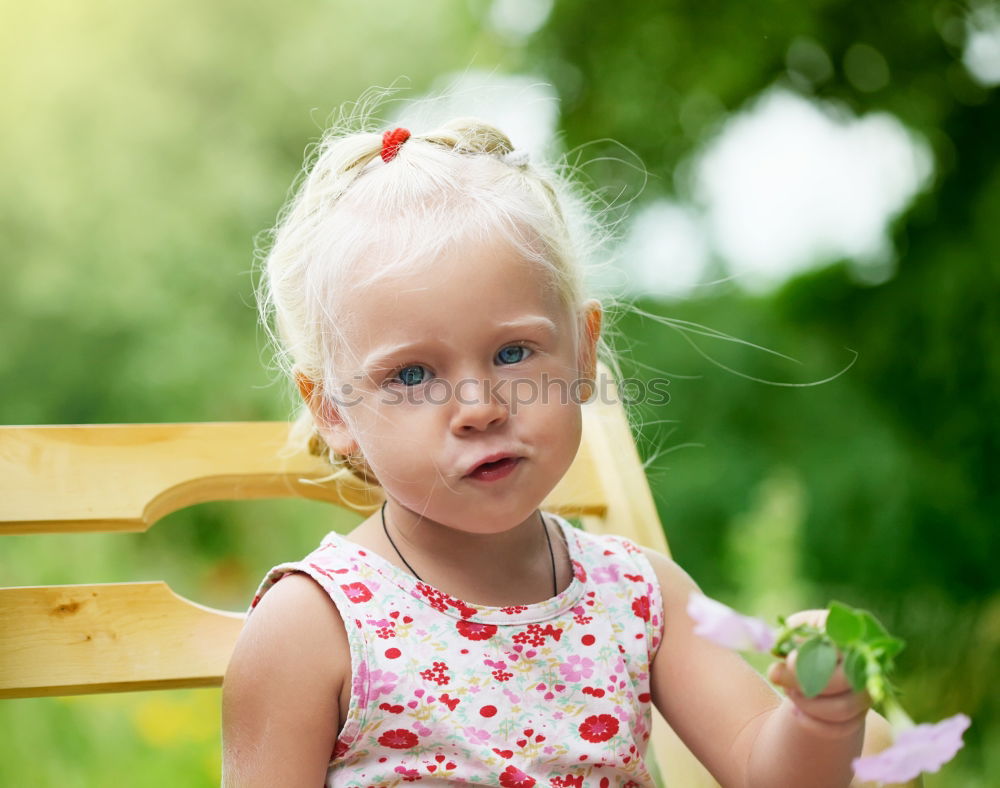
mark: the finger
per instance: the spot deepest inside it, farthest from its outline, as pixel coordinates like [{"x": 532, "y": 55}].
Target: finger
[
  {"x": 779, "y": 673},
  {"x": 836, "y": 709},
  {"x": 815, "y": 618},
  {"x": 826, "y": 728}
]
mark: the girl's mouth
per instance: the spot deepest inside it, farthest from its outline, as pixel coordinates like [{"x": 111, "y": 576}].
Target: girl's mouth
[{"x": 495, "y": 470}]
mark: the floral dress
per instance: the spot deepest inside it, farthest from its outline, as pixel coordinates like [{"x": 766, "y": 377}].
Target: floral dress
[{"x": 444, "y": 692}]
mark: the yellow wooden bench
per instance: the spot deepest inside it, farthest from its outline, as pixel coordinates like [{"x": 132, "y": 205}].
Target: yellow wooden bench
[{"x": 115, "y": 637}]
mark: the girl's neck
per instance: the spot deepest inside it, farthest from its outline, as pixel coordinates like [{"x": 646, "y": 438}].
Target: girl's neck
[{"x": 510, "y": 567}]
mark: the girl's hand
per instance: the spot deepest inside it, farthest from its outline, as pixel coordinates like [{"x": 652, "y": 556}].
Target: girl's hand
[{"x": 837, "y": 710}]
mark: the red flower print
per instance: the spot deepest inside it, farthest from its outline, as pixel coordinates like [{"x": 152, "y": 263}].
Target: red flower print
[
  {"x": 474, "y": 631},
  {"x": 438, "y": 673},
  {"x": 578, "y": 571},
  {"x": 512, "y": 777},
  {"x": 599, "y": 727},
  {"x": 569, "y": 781},
  {"x": 513, "y": 609},
  {"x": 399, "y": 739},
  {"x": 340, "y": 748},
  {"x": 641, "y": 607},
  {"x": 442, "y": 601},
  {"x": 450, "y": 702},
  {"x": 357, "y": 592},
  {"x": 535, "y": 634}
]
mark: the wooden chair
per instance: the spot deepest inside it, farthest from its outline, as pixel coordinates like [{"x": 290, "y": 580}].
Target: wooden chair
[{"x": 79, "y": 639}]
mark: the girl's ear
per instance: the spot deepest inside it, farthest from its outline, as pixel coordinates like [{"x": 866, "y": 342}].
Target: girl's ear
[
  {"x": 590, "y": 322},
  {"x": 328, "y": 418}
]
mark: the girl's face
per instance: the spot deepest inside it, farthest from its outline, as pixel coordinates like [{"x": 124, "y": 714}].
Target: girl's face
[{"x": 461, "y": 386}]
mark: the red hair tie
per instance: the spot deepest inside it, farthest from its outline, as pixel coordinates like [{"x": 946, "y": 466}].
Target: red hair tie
[{"x": 391, "y": 142}]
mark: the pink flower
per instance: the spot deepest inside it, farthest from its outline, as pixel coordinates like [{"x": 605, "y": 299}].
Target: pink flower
[
  {"x": 477, "y": 735},
  {"x": 725, "y": 627},
  {"x": 605, "y": 574},
  {"x": 577, "y": 668},
  {"x": 378, "y": 682},
  {"x": 924, "y": 748}
]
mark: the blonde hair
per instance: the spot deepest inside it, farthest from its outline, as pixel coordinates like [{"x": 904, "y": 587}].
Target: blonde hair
[{"x": 460, "y": 182}]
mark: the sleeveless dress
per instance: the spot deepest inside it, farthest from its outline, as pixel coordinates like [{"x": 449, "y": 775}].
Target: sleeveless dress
[{"x": 444, "y": 692}]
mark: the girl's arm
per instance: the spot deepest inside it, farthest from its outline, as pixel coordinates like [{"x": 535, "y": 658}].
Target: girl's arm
[
  {"x": 280, "y": 696},
  {"x": 729, "y": 717}
]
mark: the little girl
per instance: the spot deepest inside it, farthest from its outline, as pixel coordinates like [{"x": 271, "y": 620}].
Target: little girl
[{"x": 427, "y": 294}]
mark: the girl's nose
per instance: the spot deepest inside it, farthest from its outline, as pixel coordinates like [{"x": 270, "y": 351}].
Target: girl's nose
[{"x": 478, "y": 407}]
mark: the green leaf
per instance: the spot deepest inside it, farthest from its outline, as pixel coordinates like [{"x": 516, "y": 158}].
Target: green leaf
[
  {"x": 856, "y": 668},
  {"x": 887, "y": 647},
  {"x": 844, "y": 625},
  {"x": 873, "y": 629},
  {"x": 814, "y": 665}
]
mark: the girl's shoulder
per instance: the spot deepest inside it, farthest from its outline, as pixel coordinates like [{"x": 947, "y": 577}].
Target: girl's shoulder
[
  {"x": 283, "y": 685},
  {"x": 297, "y": 619}
]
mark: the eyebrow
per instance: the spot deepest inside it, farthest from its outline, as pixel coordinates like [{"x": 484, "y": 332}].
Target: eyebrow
[{"x": 380, "y": 357}]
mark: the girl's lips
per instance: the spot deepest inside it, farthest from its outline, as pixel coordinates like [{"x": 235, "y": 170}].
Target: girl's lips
[{"x": 494, "y": 470}]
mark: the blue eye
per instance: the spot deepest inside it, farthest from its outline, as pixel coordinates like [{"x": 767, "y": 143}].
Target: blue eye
[
  {"x": 412, "y": 375},
  {"x": 512, "y": 354}
]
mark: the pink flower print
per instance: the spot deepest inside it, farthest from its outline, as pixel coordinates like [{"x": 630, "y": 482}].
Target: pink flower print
[
  {"x": 727, "y": 628},
  {"x": 605, "y": 574},
  {"x": 409, "y": 775},
  {"x": 422, "y": 729},
  {"x": 384, "y": 627},
  {"x": 578, "y": 571},
  {"x": 576, "y": 668},
  {"x": 512, "y": 777},
  {"x": 924, "y": 748},
  {"x": 476, "y": 735},
  {"x": 379, "y": 682}
]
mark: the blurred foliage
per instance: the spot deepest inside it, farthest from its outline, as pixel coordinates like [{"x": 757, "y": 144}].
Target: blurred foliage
[
  {"x": 896, "y": 459},
  {"x": 146, "y": 145}
]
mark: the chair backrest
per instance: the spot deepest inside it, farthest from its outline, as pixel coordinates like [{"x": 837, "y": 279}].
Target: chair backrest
[{"x": 77, "y": 639}]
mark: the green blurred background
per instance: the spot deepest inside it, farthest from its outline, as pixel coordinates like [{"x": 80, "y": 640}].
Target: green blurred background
[{"x": 144, "y": 146}]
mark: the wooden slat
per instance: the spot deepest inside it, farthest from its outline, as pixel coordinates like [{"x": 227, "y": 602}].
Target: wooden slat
[
  {"x": 70, "y": 640},
  {"x": 125, "y": 477}
]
